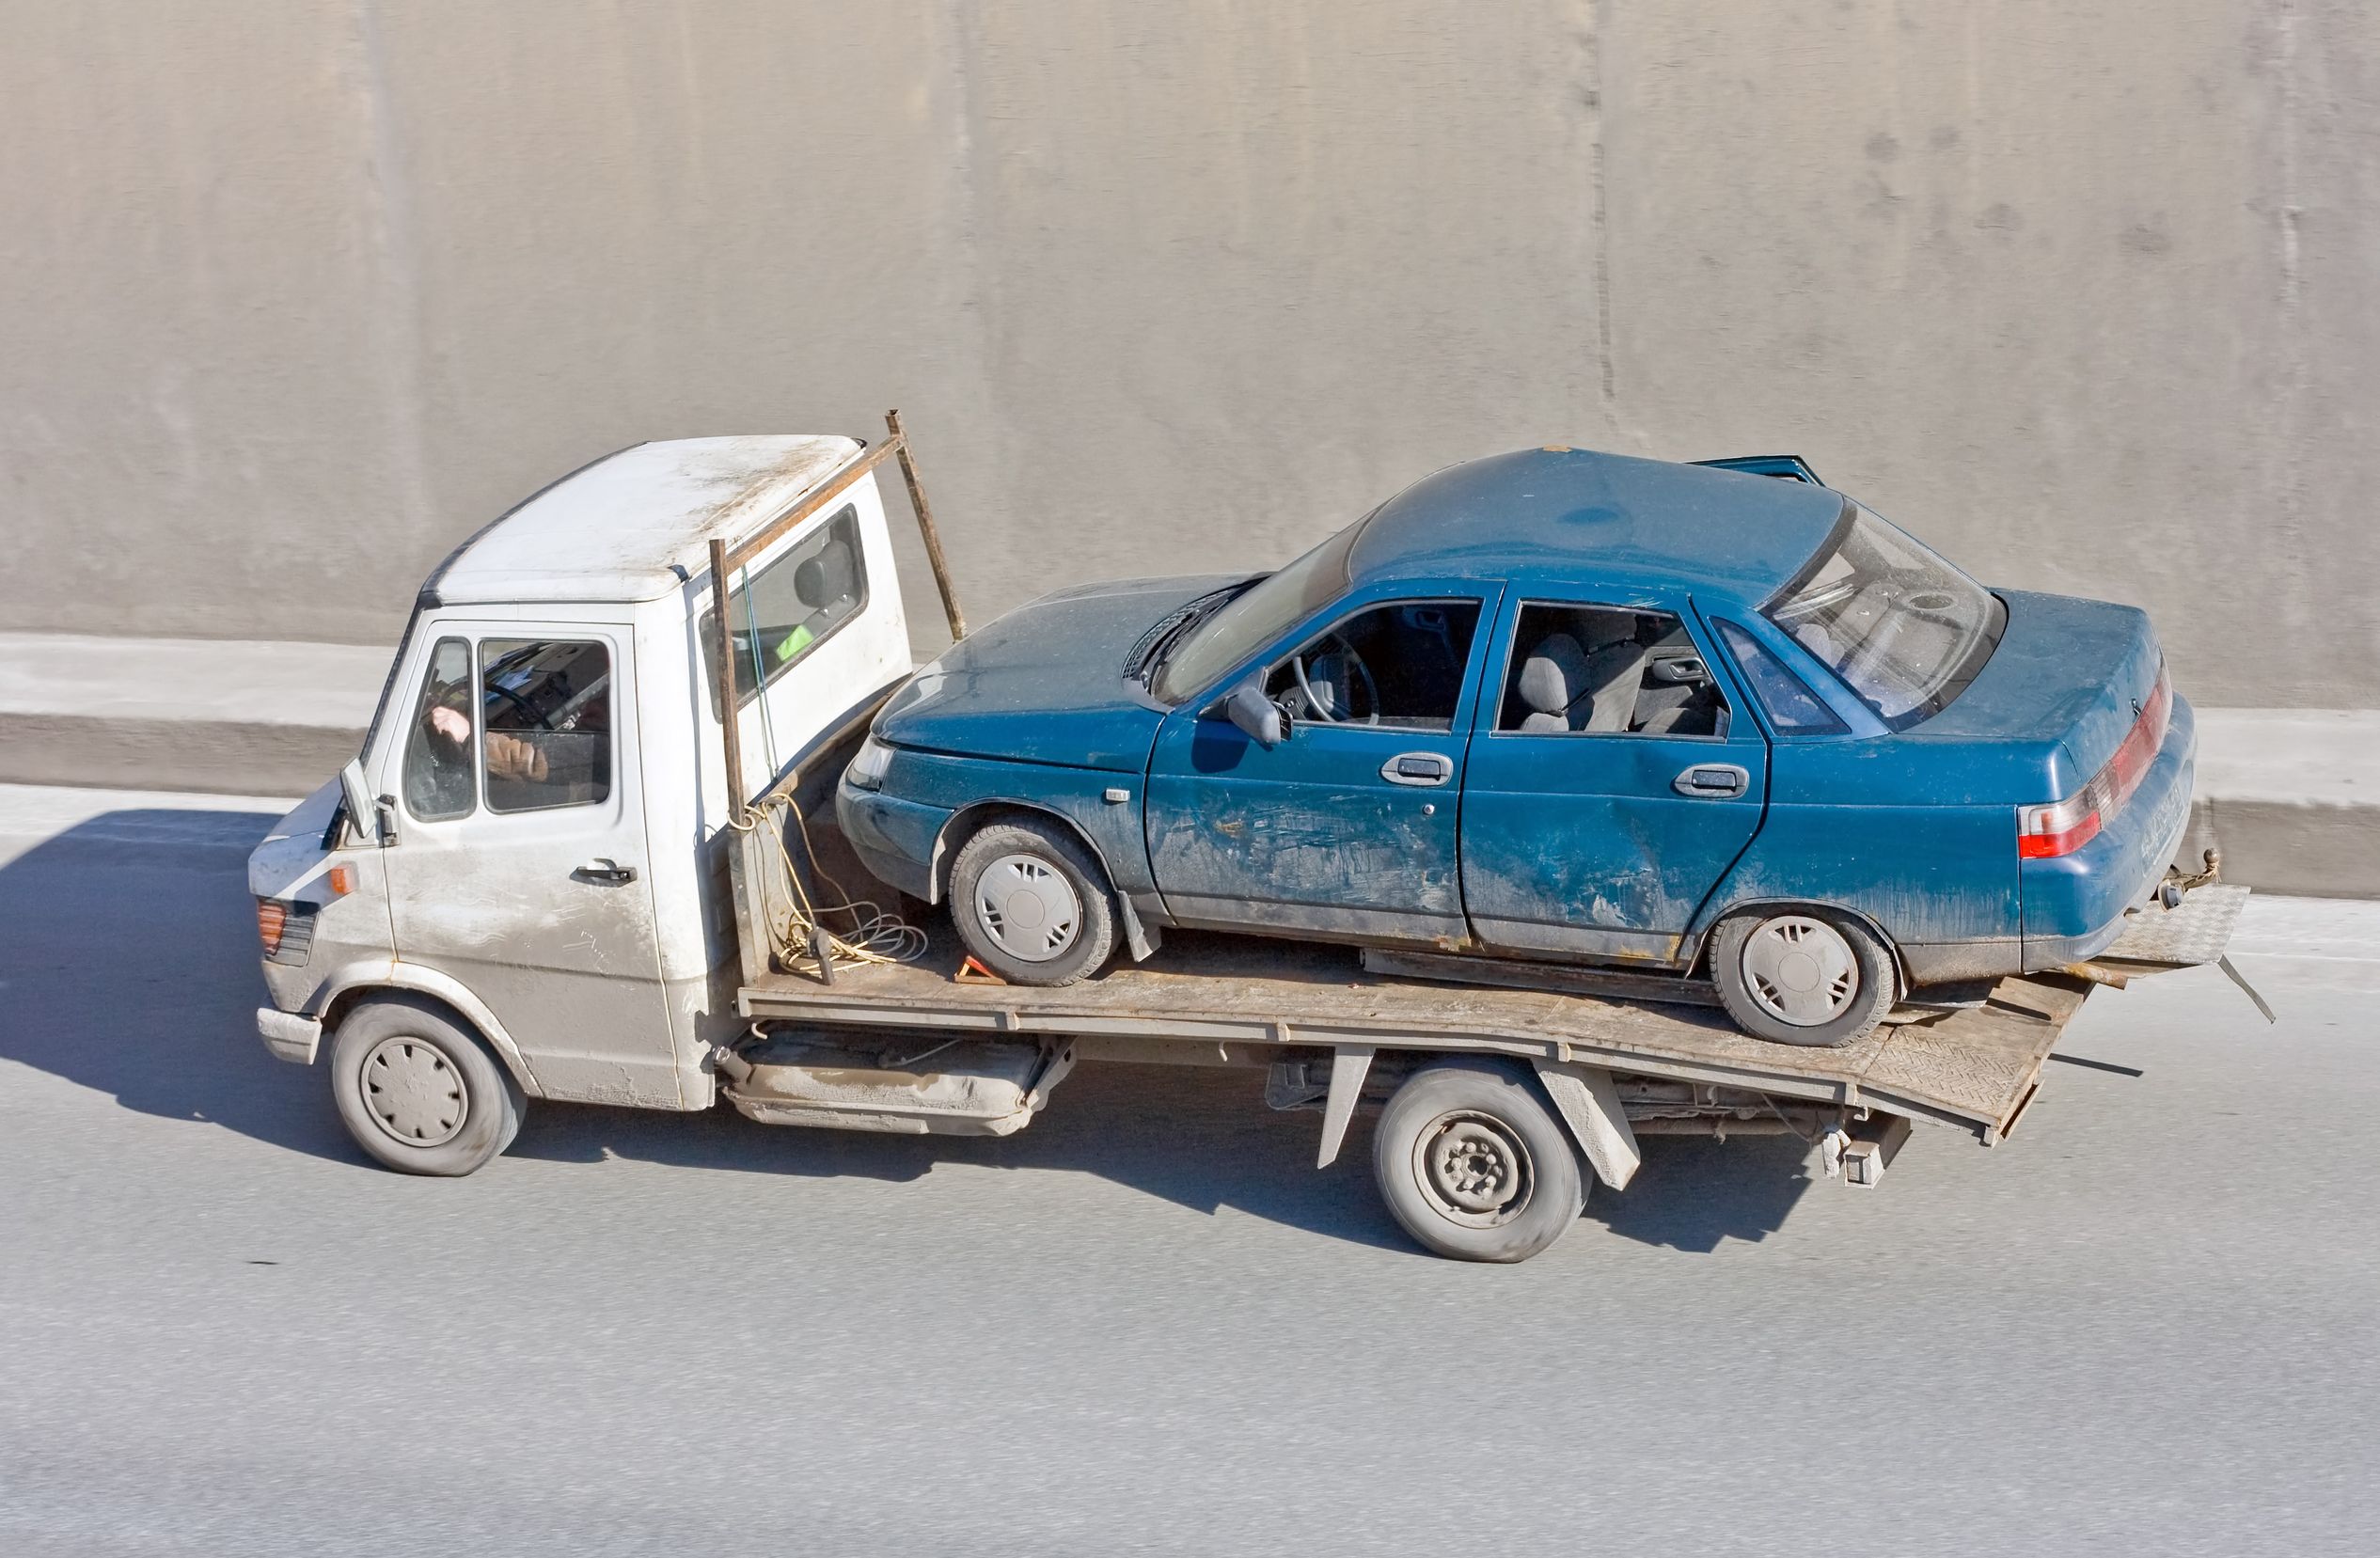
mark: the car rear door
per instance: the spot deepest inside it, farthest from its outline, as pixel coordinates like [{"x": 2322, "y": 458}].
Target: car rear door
[
  {"x": 1348, "y": 827},
  {"x": 1611, "y": 782}
]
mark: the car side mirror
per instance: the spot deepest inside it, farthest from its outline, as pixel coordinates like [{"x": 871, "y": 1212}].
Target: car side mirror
[
  {"x": 363, "y": 811},
  {"x": 1258, "y": 717}
]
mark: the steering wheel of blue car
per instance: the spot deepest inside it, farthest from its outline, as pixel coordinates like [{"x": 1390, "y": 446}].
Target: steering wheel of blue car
[{"x": 1331, "y": 713}]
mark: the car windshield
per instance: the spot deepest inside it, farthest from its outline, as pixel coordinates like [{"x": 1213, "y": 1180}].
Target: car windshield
[
  {"x": 1255, "y": 618},
  {"x": 1903, "y": 629}
]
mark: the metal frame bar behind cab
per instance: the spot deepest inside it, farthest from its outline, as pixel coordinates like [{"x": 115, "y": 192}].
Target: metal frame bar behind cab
[{"x": 725, "y": 560}]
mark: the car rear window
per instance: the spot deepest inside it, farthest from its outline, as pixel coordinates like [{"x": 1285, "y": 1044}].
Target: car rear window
[{"x": 1904, "y": 630}]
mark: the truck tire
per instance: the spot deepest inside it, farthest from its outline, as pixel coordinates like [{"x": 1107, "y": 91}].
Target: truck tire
[
  {"x": 1031, "y": 904},
  {"x": 1802, "y": 976},
  {"x": 1473, "y": 1164},
  {"x": 419, "y": 1092}
]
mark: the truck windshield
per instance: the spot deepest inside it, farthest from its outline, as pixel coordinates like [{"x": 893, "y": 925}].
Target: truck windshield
[
  {"x": 1903, "y": 629},
  {"x": 1255, "y": 618}
]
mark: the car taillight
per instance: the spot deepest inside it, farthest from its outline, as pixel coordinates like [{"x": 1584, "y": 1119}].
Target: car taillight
[
  {"x": 2044, "y": 832},
  {"x": 272, "y": 920}
]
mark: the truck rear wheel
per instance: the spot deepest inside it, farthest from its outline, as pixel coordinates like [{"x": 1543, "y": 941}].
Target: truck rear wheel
[
  {"x": 417, "y": 1092},
  {"x": 1031, "y": 904},
  {"x": 1474, "y": 1165}
]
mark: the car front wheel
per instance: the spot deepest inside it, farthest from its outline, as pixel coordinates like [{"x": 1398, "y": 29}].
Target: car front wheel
[
  {"x": 419, "y": 1092},
  {"x": 1802, "y": 976},
  {"x": 1031, "y": 904}
]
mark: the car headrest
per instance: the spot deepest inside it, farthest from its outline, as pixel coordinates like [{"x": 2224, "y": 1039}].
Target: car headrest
[{"x": 1553, "y": 675}]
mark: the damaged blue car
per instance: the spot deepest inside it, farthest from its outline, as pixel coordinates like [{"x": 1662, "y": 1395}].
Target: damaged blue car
[{"x": 1553, "y": 706}]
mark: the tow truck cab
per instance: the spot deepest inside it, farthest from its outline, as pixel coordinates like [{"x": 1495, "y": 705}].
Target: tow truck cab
[{"x": 532, "y": 836}]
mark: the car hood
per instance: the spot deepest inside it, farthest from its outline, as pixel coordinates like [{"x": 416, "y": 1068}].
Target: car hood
[
  {"x": 1045, "y": 683},
  {"x": 2069, "y": 680},
  {"x": 291, "y": 859}
]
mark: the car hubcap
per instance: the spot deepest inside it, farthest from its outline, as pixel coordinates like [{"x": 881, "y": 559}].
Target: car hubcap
[
  {"x": 1027, "y": 907},
  {"x": 1473, "y": 1169},
  {"x": 414, "y": 1093},
  {"x": 1801, "y": 971}
]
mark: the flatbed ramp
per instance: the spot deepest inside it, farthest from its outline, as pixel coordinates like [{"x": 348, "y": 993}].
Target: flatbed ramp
[{"x": 1976, "y": 1067}]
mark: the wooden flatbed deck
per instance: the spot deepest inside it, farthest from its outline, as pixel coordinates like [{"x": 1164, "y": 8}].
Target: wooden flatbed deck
[{"x": 1974, "y": 1068}]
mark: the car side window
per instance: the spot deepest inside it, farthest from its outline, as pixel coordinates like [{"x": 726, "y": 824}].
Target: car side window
[
  {"x": 1794, "y": 709},
  {"x": 786, "y": 609},
  {"x": 1399, "y": 665},
  {"x": 545, "y": 708},
  {"x": 1607, "y": 670},
  {"x": 438, "y": 782}
]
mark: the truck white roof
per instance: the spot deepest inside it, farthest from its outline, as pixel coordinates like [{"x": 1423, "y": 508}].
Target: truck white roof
[{"x": 635, "y": 526}]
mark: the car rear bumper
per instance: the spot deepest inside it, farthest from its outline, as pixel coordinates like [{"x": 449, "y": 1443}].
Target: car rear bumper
[
  {"x": 894, "y": 839},
  {"x": 2075, "y": 904}
]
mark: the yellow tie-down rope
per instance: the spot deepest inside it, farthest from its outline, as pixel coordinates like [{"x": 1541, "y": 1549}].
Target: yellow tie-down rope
[{"x": 873, "y": 935}]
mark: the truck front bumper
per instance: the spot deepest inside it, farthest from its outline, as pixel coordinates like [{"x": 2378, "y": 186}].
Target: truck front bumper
[{"x": 290, "y": 1036}]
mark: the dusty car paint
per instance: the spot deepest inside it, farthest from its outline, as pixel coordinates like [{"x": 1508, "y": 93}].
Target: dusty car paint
[{"x": 1577, "y": 844}]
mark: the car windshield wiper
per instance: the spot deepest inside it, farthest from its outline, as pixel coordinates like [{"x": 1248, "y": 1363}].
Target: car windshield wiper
[{"x": 1147, "y": 654}]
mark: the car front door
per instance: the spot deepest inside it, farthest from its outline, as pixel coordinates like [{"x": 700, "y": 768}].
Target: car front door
[
  {"x": 1610, "y": 785},
  {"x": 520, "y": 863},
  {"x": 1346, "y": 828}
]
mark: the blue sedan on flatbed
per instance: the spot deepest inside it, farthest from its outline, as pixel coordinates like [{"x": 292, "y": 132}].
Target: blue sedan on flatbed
[{"x": 1553, "y": 706}]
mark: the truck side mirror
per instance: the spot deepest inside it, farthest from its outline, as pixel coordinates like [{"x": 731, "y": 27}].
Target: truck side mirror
[
  {"x": 363, "y": 812},
  {"x": 1258, "y": 717}
]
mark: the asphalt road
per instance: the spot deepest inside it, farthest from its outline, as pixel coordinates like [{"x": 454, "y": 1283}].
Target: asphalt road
[{"x": 2149, "y": 1323}]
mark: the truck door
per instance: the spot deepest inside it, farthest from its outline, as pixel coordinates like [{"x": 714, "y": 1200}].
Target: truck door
[
  {"x": 520, "y": 862},
  {"x": 1609, "y": 786},
  {"x": 1347, "y": 826}
]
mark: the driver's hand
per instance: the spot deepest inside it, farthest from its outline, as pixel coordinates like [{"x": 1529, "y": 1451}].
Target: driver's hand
[
  {"x": 510, "y": 757},
  {"x": 452, "y": 724}
]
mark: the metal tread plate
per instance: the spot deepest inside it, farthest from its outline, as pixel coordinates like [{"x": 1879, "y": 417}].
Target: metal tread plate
[
  {"x": 1974, "y": 1068},
  {"x": 2196, "y": 932}
]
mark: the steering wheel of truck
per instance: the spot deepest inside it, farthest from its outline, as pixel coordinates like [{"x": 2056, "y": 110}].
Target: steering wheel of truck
[
  {"x": 521, "y": 703},
  {"x": 1334, "y": 713}
]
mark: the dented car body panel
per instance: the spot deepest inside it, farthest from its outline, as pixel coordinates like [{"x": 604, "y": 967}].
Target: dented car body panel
[{"x": 1619, "y": 840}]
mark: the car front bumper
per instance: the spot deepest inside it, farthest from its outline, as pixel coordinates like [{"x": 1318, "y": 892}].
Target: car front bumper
[
  {"x": 896, "y": 839},
  {"x": 289, "y": 1035}
]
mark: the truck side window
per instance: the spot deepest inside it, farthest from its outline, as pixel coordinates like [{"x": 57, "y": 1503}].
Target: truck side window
[
  {"x": 1792, "y": 707},
  {"x": 546, "y": 705},
  {"x": 1607, "y": 670},
  {"x": 438, "y": 780},
  {"x": 789, "y": 608}
]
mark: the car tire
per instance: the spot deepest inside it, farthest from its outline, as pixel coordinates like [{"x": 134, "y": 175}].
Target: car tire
[
  {"x": 420, "y": 1091},
  {"x": 1473, "y": 1164},
  {"x": 1802, "y": 976},
  {"x": 1031, "y": 904}
]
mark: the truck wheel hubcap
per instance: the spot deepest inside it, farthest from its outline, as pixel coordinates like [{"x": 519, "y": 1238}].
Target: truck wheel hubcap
[
  {"x": 1027, "y": 907},
  {"x": 414, "y": 1093},
  {"x": 1473, "y": 1169},
  {"x": 1801, "y": 971}
]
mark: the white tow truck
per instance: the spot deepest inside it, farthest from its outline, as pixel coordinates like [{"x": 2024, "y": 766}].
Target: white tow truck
[{"x": 557, "y": 871}]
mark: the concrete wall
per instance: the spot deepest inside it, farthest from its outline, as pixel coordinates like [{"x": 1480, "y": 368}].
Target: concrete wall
[{"x": 296, "y": 294}]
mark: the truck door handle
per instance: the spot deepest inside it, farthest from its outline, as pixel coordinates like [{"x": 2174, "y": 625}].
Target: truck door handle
[
  {"x": 609, "y": 873},
  {"x": 1713, "y": 782},
  {"x": 1418, "y": 768}
]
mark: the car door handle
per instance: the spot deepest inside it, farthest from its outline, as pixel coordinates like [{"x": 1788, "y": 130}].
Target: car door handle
[
  {"x": 1418, "y": 768},
  {"x": 609, "y": 873},
  {"x": 1713, "y": 782}
]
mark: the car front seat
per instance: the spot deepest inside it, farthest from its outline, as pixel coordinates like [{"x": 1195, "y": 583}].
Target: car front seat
[{"x": 1553, "y": 681}]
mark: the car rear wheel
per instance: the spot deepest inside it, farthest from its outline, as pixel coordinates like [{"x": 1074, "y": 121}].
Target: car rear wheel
[
  {"x": 1802, "y": 976},
  {"x": 419, "y": 1092},
  {"x": 1031, "y": 904},
  {"x": 1474, "y": 1165}
]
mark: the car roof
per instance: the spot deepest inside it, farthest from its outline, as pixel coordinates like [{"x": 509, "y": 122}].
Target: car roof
[
  {"x": 636, "y": 526},
  {"x": 1637, "y": 528}
]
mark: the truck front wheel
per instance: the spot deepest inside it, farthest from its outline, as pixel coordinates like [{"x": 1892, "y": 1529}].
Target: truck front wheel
[
  {"x": 1474, "y": 1165},
  {"x": 417, "y": 1092}
]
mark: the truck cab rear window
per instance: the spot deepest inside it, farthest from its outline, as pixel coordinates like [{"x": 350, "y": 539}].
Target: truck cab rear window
[
  {"x": 545, "y": 713},
  {"x": 781, "y": 612}
]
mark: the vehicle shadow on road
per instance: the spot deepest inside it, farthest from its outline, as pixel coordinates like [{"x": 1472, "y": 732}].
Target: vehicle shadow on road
[{"x": 129, "y": 965}]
